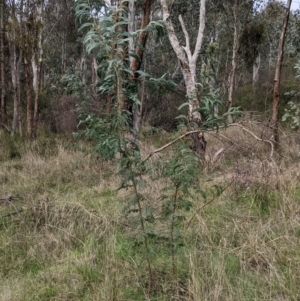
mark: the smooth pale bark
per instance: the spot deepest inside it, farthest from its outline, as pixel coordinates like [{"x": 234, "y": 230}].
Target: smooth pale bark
[
  {"x": 37, "y": 63},
  {"x": 64, "y": 53},
  {"x": 256, "y": 67},
  {"x": 94, "y": 71},
  {"x": 233, "y": 61},
  {"x": 13, "y": 65},
  {"x": 28, "y": 83},
  {"x": 188, "y": 61},
  {"x": 276, "y": 87},
  {"x": 14, "y": 80},
  {"x": 131, "y": 27}
]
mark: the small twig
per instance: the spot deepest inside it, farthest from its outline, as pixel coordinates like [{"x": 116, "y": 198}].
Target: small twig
[
  {"x": 217, "y": 154},
  {"x": 257, "y": 138},
  {"x": 5, "y": 127},
  {"x": 206, "y": 204}
]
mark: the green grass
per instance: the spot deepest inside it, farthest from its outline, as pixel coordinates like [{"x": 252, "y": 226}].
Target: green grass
[{"x": 70, "y": 239}]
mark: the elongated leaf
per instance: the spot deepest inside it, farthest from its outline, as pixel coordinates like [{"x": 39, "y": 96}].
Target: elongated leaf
[{"x": 183, "y": 105}]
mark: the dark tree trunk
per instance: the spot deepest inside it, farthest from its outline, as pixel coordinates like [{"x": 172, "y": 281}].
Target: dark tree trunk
[{"x": 274, "y": 123}]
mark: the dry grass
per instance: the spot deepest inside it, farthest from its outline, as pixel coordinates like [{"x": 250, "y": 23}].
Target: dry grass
[{"x": 71, "y": 241}]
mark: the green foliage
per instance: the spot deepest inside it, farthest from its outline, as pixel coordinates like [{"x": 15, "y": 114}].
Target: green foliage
[
  {"x": 9, "y": 147},
  {"x": 111, "y": 134},
  {"x": 292, "y": 112},
  {"x": 105, "y": 132}
]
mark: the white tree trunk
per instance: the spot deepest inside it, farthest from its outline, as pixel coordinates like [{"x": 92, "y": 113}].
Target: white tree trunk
[
  {"x": 14, "y": 79},
  {"x": 37, "y": 62},
  {"x": 256, "y": 67},
  {"x": 276, "y": 87},
  {"x": 188, "y": 62}
]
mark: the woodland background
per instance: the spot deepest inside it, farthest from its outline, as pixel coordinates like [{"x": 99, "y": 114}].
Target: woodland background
[
  {"x": 126, "y": 176},
  {"x": 43, "y": 54}
]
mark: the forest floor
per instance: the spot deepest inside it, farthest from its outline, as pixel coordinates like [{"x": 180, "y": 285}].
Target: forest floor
[{"x": 64, "y": 235}]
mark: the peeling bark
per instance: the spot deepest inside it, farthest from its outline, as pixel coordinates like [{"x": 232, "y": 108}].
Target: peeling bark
[
  {"x": 188, "y": 63},
  {"x": 256, "y": 67},
  {"x": 233, "y": 62},
  {"x": 15, "y": 81},
  {"x": 37, "y": 63}
]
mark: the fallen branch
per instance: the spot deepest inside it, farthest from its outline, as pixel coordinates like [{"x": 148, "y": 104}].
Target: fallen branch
[
  {"x": 201, "y": 130},
  {"x": 257, "y": 138},
  {"x": 171, "y": 143}
]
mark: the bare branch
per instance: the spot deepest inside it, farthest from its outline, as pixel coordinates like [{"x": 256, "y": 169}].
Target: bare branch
[
  {"x": 187, "y": 47},
  {"x": 180, "y": 53},
  {"x": 200, "y": 31},
  {"x": 201, "y": 131},
  {"x": 257, "y": 138},
  {"x": 5, "y": 127},
  {"x": 171, "y": 143}
]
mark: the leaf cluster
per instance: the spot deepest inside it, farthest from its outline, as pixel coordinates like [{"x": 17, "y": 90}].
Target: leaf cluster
[
  {"x": 251, "y": 38},
  {"x": 210, "y": 119}
]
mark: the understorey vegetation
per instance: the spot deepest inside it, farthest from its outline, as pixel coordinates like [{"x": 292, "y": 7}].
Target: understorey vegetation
[{"x": 106, "y": 204}]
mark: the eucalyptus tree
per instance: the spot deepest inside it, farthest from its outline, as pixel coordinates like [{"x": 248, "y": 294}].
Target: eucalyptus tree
[
  {"x": 237, "y": 15},
  {"x": 119, "y": 49},
  {"x": 276, "y": 87},
  {"x": 15, "y": 54},
  {"x": 117, "y": 38},
  {"x": 61, "y": 30},
  {"x": 26, "y": 33},
  {"x": 188, "y": 58}
]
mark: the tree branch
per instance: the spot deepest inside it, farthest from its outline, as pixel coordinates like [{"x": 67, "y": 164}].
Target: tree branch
[
  {"x": 180, "y": 53},
  {"x": 8, "y": 130},
  {"x": 187, "y": 47},
  {"x": 257, "y": 138},
  {"x": 201, "y": 131},
  {"x": 171, "y": 143},
  {"x": 200, "y": 31}
]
